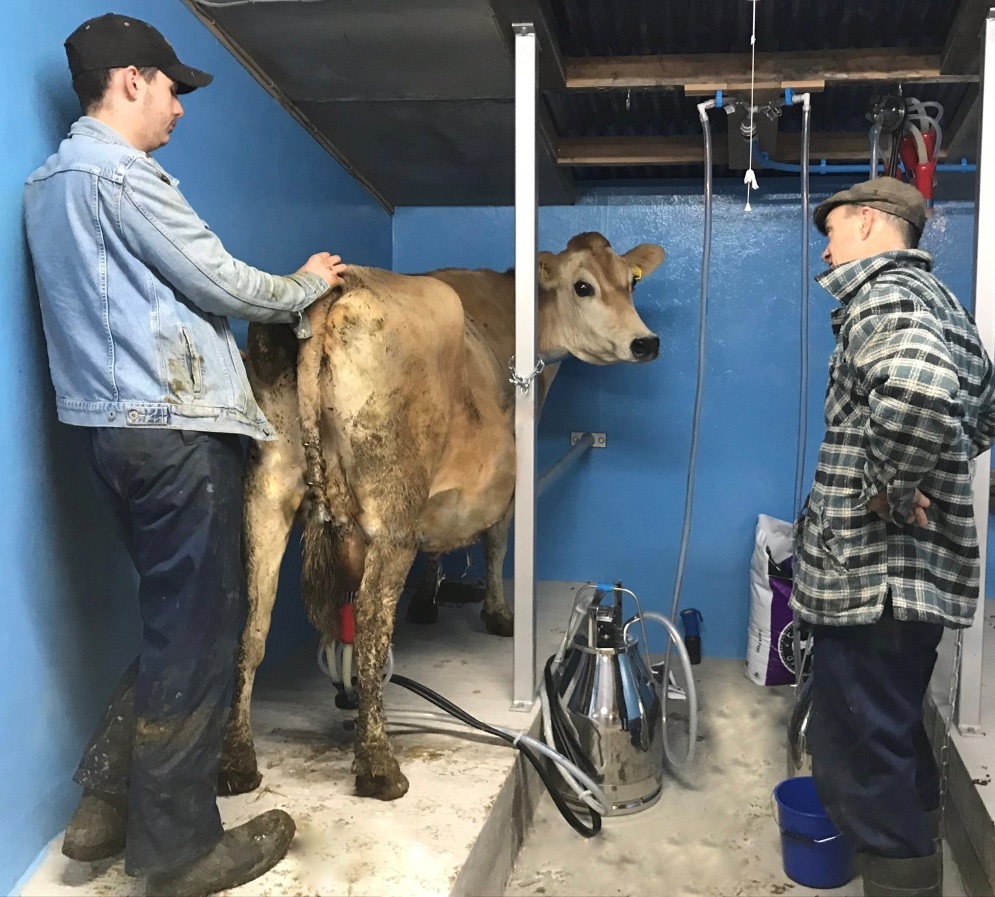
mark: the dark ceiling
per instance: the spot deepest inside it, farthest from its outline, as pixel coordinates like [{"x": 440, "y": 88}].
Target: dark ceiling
[{"x": 416, "y": 97}]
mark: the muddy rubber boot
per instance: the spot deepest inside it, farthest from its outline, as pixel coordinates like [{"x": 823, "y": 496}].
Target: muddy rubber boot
[
  {"x": 97, "y": 829},
  {"x": 913, "y": 877},
  {"x": 243, "y": 854}
]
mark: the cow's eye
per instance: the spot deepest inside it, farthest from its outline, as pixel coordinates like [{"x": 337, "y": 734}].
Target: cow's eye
[{"x": 583, "y": 288}]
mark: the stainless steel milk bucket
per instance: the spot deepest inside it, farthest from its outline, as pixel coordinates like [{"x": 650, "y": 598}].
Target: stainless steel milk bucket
[{"x": 613, "y": 703}]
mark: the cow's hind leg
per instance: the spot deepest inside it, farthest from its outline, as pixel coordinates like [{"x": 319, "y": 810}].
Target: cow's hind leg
[
  {"x": 497, "y": 616},
  {"x": 376, "y": 769},
  {"x": 424, "y": 607},
  {"x": 273, "y": 492}
]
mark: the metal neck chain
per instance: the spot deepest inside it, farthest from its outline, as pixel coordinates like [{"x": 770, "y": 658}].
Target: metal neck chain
[
  {"x": 524, "y": 383},
  {"x": 952, "y": 706}
]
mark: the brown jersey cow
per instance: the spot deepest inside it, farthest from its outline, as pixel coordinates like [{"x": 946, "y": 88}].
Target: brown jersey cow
[{"x": 396, "y": 434}]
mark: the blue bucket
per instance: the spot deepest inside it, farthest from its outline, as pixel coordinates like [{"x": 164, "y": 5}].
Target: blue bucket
[{"x": 814, "y": 852}]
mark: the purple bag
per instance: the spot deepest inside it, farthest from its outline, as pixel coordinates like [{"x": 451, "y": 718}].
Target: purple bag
[{"x": 770, "y": 649}]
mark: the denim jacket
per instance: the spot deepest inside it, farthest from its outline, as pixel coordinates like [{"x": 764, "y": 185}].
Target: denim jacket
[{"x": 135, "y": 290}]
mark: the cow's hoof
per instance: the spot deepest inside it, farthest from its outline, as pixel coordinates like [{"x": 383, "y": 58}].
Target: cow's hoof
[
  {"x": 238, "y": 772},
  {"x": 422, "y": 610},
  {"x": 236, "y": 781},
  {"x": 500, "y": 622},
  {"x": 387, "y": 787}
]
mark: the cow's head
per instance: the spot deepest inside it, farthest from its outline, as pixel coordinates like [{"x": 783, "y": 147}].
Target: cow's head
[{"x": 585, "y": 301}]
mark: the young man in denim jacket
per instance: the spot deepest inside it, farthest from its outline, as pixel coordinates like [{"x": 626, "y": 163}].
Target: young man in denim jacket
[
  {"x": 134, "y": 291},
  {"x": 887, "y": 552}
]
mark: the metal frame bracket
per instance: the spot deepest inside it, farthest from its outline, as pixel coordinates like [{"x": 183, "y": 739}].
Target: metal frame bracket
[{"x": 600, "y": 439}]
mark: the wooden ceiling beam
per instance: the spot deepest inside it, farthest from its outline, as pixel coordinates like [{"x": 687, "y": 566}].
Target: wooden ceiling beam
[
  {"x": 960, "y": 137},
  {"x": 707, "y": 72},
  {"x": 688, "y": 150},
  {"x": 962, "y": 48},
  {"x": 634, "y": 151}
]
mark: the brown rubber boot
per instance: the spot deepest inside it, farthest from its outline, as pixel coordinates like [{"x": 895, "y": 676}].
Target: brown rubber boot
[
  {"x": 243, "y": 854},
  {"x": 97, "y": 829}
]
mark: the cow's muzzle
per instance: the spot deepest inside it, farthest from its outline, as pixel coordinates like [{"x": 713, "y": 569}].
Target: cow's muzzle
[{"x": 645, "y": 348}]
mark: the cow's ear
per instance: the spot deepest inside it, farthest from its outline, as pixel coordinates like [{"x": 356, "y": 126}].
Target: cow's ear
[
  {"x": 548, "y": 270},
  {"x": 645, "y": 258}
]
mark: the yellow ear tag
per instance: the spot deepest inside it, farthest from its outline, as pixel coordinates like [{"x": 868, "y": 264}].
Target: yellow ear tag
[{"x": 637, "y": 272}]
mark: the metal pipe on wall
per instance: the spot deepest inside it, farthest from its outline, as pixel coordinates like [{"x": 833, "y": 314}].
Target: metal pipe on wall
[
  {"x": 526, "y": 286},
  {"x": 559, "y": 467}
]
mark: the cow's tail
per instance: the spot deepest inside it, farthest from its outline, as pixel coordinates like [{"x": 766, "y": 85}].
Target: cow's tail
[
  {"x": 322, "y": 599},
  {"x": 310, "y": 362},
  {"x": 333, "y": 548}
]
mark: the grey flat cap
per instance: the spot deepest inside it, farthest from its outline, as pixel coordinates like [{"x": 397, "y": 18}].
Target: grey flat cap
[{"x": 884, "y": 193}]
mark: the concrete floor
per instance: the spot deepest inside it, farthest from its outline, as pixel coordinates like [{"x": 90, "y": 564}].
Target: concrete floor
[
  {"x": 458, "y": 829},
  {"x": 719, "y": 838}
]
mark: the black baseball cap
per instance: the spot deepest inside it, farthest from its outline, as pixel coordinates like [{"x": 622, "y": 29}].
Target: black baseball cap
[
  {"x": 884, "y": 193},
  {"x": 112, "y": 41}
]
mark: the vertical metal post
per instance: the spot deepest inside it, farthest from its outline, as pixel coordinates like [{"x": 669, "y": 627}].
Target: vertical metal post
[
  {"x": 526, "y": 201},
  {"x": 969, "y": 703}
]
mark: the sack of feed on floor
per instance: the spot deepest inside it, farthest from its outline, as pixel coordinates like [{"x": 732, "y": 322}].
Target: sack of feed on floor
[{"x": 769, "y": 651}]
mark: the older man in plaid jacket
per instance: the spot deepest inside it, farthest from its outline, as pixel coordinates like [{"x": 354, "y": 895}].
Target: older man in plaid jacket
[{"x": 887, "y": 552}]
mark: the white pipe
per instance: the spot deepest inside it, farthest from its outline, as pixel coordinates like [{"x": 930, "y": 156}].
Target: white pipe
[
  {"x": 526, "y": 285},
  {"x": 689, "y": 691},
  {"x": 969, "y": 705}
]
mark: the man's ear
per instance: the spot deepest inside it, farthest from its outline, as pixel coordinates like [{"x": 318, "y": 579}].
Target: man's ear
[
  {"x": 128, "y": 78},
  {"x": 549, "y": 270},
  {"x": 867, "y": 216}
]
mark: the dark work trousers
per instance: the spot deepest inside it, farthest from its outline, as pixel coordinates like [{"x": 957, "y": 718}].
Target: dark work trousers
[
  {"x": 871, "y": 760},
  {"x": 177, "y": 497}
]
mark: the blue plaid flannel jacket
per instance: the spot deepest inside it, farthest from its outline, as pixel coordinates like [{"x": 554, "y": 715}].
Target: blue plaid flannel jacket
[{"x": 910, "y": 402}]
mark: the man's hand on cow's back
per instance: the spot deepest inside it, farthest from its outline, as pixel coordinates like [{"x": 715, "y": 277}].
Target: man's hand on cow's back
[{"x": 327, "y": 266}]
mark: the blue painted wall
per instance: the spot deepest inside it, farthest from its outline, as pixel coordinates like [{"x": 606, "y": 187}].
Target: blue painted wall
[
  {"x": 68, "y": 625},
  {"x": 619, "y": 514}
]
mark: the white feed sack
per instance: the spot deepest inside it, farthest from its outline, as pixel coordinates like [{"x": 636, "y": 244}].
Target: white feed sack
[{"x": 769, "y": 651}]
